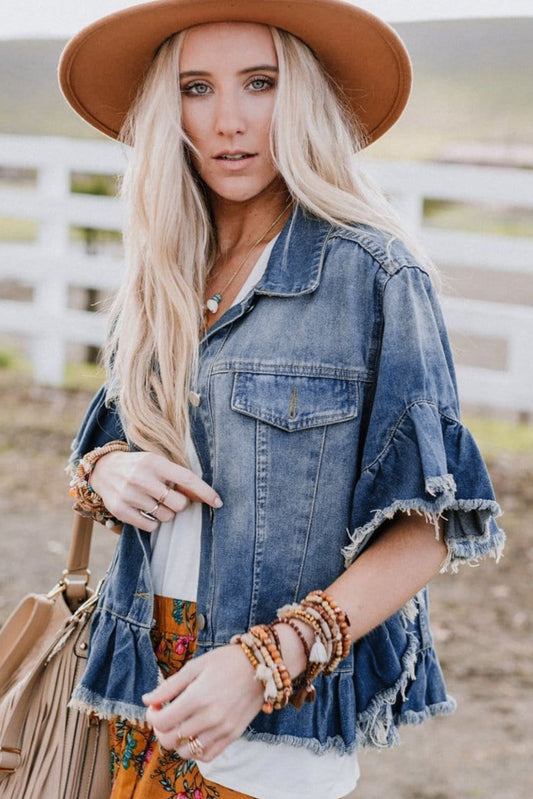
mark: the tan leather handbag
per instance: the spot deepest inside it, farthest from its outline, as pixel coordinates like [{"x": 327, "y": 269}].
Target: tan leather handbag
[{"x": 48, "y": 750}]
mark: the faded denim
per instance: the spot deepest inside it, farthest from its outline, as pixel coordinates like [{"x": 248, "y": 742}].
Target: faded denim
[{"x": 328, "y": 404}]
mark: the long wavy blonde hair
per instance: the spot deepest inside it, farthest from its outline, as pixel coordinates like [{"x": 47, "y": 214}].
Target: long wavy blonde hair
[{"x": 152, "y": 350}]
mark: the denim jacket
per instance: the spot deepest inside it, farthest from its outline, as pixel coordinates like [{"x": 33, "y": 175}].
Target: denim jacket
[{"x": 328, "y": 403}]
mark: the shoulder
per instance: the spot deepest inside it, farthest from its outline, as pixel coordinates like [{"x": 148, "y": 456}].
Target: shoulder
[{"x": 385, "y": 253}]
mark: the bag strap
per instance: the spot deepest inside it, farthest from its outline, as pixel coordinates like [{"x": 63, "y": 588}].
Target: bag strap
[
  {"x": 80, "y": 544},
  {"x": 76, "y": 575}
]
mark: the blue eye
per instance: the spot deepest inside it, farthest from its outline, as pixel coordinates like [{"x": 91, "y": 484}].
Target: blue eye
[
  {"x": 261, "y": 84},
  {"x": 198, "y": 89}
]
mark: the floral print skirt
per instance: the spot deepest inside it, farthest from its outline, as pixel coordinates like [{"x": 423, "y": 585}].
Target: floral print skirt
[{"x": 141, "y": 768}]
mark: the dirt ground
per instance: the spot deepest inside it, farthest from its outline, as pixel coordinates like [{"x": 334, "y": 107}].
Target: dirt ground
[{"x": 481, "y": 617}]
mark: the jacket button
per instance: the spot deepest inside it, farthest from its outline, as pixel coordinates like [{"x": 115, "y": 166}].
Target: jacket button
[
  {"x": 201, "y": 621},
  {"x": 194, "y": 398}
]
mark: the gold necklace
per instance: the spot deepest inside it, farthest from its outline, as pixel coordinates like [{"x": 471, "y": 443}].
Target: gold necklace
[{"x": 213, "y": 303}]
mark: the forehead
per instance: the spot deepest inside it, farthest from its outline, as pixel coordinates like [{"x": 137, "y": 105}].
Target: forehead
[{"x": 217, "y": 41}]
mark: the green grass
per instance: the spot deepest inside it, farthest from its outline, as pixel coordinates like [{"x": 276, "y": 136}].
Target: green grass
[
  {"x": 12, "y": 361},
  {"x": 479, "y": 218},
  {"x": 14, "y": 365},
  {"x": 496, "y": 436},
  {"x": 18, "y": 230},
  {"x": 85, "y": 376}
]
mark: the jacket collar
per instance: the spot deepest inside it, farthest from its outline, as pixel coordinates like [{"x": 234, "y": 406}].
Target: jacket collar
[
  {"x": 294, "y": 266},
  {"x": 295, "y": 263}
]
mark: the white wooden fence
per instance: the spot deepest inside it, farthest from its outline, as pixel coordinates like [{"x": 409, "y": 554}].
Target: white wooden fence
[{"x": 52, "y": 264}]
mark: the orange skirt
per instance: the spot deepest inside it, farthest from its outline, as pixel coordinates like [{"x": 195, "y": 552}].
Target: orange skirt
[{"x": 141, "y": 768}]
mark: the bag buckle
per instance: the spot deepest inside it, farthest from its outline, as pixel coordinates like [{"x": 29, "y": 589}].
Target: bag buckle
[{"x": 92, "y": 600}]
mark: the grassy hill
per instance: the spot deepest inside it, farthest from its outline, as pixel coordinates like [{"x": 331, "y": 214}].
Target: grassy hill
[{"x": 473, "y": 80}]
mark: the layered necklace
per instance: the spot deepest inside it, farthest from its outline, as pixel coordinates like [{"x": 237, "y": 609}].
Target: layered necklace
[{"x": 213, "y": 303}]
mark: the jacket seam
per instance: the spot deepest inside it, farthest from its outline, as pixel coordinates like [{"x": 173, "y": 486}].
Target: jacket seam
[{"x": 399, "y": 421}]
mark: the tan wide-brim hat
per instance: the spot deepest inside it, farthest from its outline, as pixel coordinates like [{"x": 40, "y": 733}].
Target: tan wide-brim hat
[{"x": 103, "y": 66}]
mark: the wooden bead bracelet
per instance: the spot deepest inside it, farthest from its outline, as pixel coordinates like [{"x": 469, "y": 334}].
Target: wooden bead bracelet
[{"x": 88, "y": 502}]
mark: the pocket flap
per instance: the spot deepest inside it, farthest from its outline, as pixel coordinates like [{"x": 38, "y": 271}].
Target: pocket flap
[{"x": 294, "y": 402}]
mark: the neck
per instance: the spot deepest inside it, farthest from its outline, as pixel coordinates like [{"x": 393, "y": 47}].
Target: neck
[{"x": 238, "y": 225}]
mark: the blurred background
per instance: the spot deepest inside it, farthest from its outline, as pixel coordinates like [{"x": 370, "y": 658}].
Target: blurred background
[{"x": 459, "y": 168}]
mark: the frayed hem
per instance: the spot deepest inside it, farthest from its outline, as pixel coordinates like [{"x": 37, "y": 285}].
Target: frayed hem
[
  {"x": 313, "y": 744},
  {"x": 471, "y": 551},
  {"x": 376, "y": 726},
  {"x": 359, "y": 538},
  {"x": 464, "y": 551},
  {"x": 414, "y": 718},
  {"x": 86, "y": 702}
]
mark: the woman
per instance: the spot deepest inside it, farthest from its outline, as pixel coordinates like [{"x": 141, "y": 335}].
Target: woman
[{"x": 280, "y": 399}]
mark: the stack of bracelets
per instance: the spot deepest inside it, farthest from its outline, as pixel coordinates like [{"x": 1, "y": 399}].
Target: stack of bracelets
[
  {"x": 88, "y": 502},
  {"x": 331, "y": 645}
]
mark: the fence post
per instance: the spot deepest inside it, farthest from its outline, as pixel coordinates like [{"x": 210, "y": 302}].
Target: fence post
[{"x": 48, "y": 350}]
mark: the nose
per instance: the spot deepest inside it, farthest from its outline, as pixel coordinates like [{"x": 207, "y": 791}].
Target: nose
[{"x": 229, "y": 114}]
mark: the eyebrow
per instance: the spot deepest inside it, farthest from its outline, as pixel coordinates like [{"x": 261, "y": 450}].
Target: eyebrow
[{"x": 202, "y": 73}]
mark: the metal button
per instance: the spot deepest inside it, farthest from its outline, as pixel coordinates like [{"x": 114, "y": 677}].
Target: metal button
[
  {"x": 201, "y": 621},
  {"x": 194, "y": 398}
]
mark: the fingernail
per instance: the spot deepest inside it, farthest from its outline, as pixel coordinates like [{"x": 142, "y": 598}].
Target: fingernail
[{"x": 218, "y": 503}]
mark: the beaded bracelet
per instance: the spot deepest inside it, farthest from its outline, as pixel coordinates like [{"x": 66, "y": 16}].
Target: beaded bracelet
[
  {"x": 343, "y": 621},
  {"x": 263, "y": 673},
  {"x": 88, "y": 502},
  {"x": 292, "y": 624},
  {"x": 268, "y": 639},
  {"x": 261, "y": 645},
  {"x": 332, "y": 643},
  {"x": 262, "y": 650}
]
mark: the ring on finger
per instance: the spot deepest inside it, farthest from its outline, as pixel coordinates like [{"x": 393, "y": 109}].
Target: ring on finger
[
  {"x": 196, "y": 747},
  {"x": 164, "y": 495},
  {"x": 150, "y": 514}
]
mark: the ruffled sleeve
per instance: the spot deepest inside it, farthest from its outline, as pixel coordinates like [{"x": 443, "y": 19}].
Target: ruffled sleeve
[
  {"x": 417, "y": 455},
  {"x": 100, "y": 425}
]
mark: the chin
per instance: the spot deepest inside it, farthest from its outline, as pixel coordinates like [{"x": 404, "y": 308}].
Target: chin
[{"x": 242, "y": 194}]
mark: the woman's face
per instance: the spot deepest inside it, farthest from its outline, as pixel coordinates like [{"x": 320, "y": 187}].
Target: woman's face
[{"x": 228, "y": 79}]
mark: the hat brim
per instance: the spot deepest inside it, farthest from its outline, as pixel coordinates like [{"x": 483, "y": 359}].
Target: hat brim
[{"x": 103, "y": 66}]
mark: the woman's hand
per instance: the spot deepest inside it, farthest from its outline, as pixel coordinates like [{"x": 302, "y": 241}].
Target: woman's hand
[
  {"x": 212, "y": 699},
  {"x": 131, "y": 482}
]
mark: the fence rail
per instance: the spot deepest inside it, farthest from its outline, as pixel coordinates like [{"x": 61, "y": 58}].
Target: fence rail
[{"x": 53, "y": 263}]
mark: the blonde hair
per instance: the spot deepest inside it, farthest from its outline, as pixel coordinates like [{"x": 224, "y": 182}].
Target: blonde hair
[{"x": 152, "y": 350}]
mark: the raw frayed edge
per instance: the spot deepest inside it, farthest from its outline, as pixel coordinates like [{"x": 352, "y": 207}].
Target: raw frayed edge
[
  {"x": 313, "y": 744},
  {"x": 375, "y": 727},
  {"x": 470, "y": 552},
  {"x": 440, "y": 485},
  {"x": 86, "y": 702},
  {"x": 409, "y": 612},
  {"x": 360, "y": 536},
  {"x": 414, "y": 718}
]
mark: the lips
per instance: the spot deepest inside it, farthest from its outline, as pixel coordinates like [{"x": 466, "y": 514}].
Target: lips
[{"x": 233, "y": 156}]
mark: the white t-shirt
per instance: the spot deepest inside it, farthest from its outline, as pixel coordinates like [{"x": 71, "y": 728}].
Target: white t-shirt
[{"x": 257, "y": 768}]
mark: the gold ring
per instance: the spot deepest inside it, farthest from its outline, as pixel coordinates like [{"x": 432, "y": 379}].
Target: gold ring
[
  {"x": 164, "y": 495},
  {"x": 196, "y": 747},
  {"x": 150, "y": 514}
]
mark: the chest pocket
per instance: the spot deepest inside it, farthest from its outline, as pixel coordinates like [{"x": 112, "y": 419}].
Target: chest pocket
[{"x": 294, "y": 402}]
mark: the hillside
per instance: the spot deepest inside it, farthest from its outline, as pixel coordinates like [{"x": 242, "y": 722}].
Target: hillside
[{"x": 473, "y": 80}]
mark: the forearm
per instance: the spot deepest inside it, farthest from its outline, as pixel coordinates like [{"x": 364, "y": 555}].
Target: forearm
[
  {"x": 396, "y": 565},
  {"x": 400, "y": 561}
]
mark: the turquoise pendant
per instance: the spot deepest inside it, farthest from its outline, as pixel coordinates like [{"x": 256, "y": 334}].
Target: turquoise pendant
[{"x": 213, "y": 303}]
